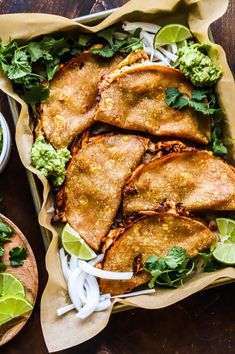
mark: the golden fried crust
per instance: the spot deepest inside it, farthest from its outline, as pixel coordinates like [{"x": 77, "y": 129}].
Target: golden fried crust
[
  {"x": 71, "y": 106},
  {"x": 94, "y": 182},
  {"x": 197, "y": 179},
  {"x": 135, "y": 99},
  {"x": 148, "y": 236}
]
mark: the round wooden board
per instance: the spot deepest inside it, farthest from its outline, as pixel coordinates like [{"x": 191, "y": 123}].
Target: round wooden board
[{"x": 27, "y": 274}]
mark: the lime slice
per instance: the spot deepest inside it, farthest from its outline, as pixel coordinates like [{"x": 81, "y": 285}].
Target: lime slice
[
  {"x": 226, "y": 228},
  {"x": 182, "y": 44},
  {"x": 9, "y": 284},
  {"x": 75, "y": 245},
  {"x": 12, "y": 306},
  {"x": 225, "y": 253},
  {"x": 172, "y": 33}
]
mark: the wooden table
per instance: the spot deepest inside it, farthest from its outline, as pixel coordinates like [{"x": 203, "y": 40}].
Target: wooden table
[{"x": 203, "y": 323}]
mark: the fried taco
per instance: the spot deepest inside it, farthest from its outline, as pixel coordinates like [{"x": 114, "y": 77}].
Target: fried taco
[
  {"x": 195, "y": 179},
  {"x": 133, "y": 97},
  {"x": 71, "y": 106},
  {"x": 95, "y": 178},
  {"x": 148, "y": 236}
]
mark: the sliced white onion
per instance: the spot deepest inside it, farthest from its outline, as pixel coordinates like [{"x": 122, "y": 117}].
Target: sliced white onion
[
  {"x": 168, "y": 54},
  {"x": 72, "y": 288},
  {"x": 174, "y": 48},
  {"x": 92, "y": 298},
  {"x": 103, "y": 305},
  {"x": 134, "y": 293},
  {"x": 73, "y": 264},
  {"x": 81, "y": 286},
  {"x": 64, "y": 264},
  {"x": 105, "y": 297},
  {"x": 120, "y": 35},
  {"x": 159, "y": 63},
  {"x": 146, "y": 26},
  {"x": 105, "y": 274},
  {"x": 62, "y": 310},
  {"x": 97, "y": 260},
  {"x": 158, "y": 55},
  {"x": 147, "y": 40}
]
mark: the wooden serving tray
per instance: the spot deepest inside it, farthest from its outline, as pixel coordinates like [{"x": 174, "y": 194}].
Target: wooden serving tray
[{"x": 27, "y": 274}]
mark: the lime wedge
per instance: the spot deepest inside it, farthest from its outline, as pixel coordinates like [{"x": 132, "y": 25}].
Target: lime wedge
[
  {"x": 225, "y": 253},
  {"x": 75, "y": 245},
  {"x": 12, "y": 306},
  {"x": 226, "y": 228},
  {"x": 9, "y": 284},
  {"x": 172, "y": 33}
]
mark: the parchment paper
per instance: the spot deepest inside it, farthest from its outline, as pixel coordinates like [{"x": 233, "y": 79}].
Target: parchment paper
[{"x": 67, "y": 331}]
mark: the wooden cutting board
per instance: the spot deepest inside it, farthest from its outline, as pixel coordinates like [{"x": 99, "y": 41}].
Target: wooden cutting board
[{"x": 27, "y": 274}]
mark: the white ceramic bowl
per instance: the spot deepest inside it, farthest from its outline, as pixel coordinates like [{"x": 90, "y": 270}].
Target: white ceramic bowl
[{"x": 6, "y": 147}]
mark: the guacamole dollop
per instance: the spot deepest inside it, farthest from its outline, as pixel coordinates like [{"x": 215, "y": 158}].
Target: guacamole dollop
[
  {"x": 48, "y": 161},
  {"x": 197, "y": 66}
]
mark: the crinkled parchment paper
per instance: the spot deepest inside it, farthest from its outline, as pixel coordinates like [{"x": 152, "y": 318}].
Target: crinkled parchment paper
[{"x": 67, "y": 331}]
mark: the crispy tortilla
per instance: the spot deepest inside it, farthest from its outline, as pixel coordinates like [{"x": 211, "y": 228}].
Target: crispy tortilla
[
  {"x": 196, "y": 179},
  {"x": 148, "y": 236},
  {"x": 72, "y": 103},
  {"x": 133, "y": 97},
  {"x": 94, "y": 181}
]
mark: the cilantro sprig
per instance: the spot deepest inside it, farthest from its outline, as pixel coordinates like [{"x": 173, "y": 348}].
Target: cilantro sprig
[
  {"x": 114, "y": 45},
  {"x": 169, "y": 270},
  {"x": 5, "y": 236},
  {"x": 5, "y": 233},
  {"x": 17, "y": 256},
  {"x": 202, "y": 100}
]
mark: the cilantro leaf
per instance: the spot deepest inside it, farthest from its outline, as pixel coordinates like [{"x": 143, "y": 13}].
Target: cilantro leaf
[
  {"x": 210, "y": 263},
  {"x": 199, "y": 94},
  {"x": 202, "y": 107},
  {"x": 5, "y": 232},
  {"x": 2, "y": 267},
  {"x": 20, "y": 66},
  {"x": 1, "y": 251},
  {"x": 199, "y": 100},
  {"x": 172, "y": 94},
  {"x": 107, "y": 34},
  {"x": 217, "y": 145},
  {"x": 17, "y": 256},
  {"x": 35, "y": 51},
  {"x": 36, "y": 91},
  {"x": 171, "y": 269},
  {"x": 104, "y": 52}
]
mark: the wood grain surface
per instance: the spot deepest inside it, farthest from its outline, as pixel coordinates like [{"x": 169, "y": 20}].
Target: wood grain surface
[
  {"x": 203, "y": 323},
  {"x": 27, "y": 274}
]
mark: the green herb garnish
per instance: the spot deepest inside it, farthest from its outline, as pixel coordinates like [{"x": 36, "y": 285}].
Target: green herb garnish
[
  {"x": 5, "y": 233},
  {"x": 202, "y": 100},
  {"x": 5, "y": 236},
  {"x": 128, "y": 44},
  {"x": 17, "y": 256},
  {"x": 210, "y": 264},
  {"x": 171, "y": 269},
  {"x": 217, "y": 145}
]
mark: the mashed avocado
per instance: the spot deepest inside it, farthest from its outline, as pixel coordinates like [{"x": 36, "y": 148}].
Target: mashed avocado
[
  {"x": 197, "y": 66},
  {"x": 48, "y": 161}
]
